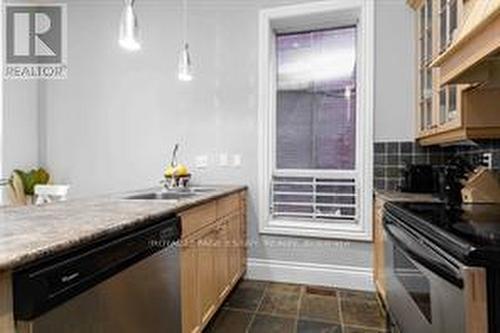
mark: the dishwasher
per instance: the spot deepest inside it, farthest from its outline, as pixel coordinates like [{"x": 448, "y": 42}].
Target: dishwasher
[{"x": 129, "y": 283}]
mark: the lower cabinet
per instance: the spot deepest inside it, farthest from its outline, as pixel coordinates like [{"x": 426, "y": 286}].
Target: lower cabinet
[
  {"x": 206, "y": 280},
  {"x": 378, "y": 249},
  {"x": 235, "y": 256},
  {"x": 213, "y": 259},
  {"x": 190, "y": 292}
]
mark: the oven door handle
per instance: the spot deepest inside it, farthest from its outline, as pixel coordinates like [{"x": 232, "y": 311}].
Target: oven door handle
[{"x": 424, "y": 255}]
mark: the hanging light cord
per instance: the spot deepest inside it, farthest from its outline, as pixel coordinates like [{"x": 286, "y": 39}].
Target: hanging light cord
[{"x": 184, "y": 21}]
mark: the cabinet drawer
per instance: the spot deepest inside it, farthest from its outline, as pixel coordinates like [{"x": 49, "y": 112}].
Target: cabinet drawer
[
  {"x": 196, "y": 218},
  {"x": 227, "y": 205}
]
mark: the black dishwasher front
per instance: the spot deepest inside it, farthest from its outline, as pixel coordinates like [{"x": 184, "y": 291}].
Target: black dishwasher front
[{"x": 105, "y": 285}]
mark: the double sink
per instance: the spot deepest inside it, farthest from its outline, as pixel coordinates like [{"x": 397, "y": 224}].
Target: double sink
[{"x": 171, "y": 194}]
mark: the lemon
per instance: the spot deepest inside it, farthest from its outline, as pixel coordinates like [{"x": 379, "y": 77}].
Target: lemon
[
  {"x": 181, "y": 170},
  {"x": 169, "y": 171}
]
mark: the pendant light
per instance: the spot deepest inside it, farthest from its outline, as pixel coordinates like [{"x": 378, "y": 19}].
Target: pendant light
[
  {"x": 129, "y": 38},
  {"x": 185, "y": 71}
]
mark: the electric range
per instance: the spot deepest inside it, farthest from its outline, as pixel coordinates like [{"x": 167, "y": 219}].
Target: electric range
[
  {"x": 471, "y": 233},
  {"x": 443, "y": 266}
]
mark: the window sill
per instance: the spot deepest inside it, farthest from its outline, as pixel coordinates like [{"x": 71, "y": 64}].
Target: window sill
[{"x": 338, "y": 231}]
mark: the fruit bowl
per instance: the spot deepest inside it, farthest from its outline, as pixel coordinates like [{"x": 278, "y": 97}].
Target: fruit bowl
[{"x": 177, "y": 181}]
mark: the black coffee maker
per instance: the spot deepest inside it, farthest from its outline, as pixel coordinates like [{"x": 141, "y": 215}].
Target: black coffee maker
[
  {"x": 420, "y": 178},
  {"x": 451, "y": 176}
]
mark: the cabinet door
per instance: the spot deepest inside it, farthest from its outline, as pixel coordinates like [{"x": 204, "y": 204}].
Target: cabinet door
[
  {"x": 449, "y": 16},
  {"x": 427, "y": 121},
  {"x": 189, "y": 287},
  {"x": 243, "y": 233},
  {"x": 450, "y": 113},
  {"x": 234, "y": 246},
  {"x": 221, "y": 259},
  {"x": 207, "y": 279},
  {"x": 449, "y": 100}
]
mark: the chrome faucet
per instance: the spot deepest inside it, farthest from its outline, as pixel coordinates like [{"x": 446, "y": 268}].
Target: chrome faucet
[{"x": 172, "y": 183}]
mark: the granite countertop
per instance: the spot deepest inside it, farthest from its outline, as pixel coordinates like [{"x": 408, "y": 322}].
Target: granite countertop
[
  {"x": 405, "y": 196},
  {"x": 31, "y": 232}
]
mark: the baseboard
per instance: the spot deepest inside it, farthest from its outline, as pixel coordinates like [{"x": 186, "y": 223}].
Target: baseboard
[{"x": 349, "y": 277}]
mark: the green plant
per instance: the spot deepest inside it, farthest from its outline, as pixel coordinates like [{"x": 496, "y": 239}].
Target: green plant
[{"x": 32, "y": 178}]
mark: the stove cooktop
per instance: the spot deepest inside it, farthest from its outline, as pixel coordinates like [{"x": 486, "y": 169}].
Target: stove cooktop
[{"x": 470, "y": 232}]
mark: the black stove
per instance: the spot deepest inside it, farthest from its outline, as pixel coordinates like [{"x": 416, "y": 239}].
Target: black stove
[{"x": 471, "y": 233}]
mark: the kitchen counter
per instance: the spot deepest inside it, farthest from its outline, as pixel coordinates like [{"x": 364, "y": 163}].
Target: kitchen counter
[
  {"x": 405, "y": 196},
  {"x": 31, "y": 232}
]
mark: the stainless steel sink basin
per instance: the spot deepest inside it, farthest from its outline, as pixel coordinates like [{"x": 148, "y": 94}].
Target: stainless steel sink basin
[
  {"x": 202, "y": 189},
  {"x": 173, "y": 194},
  {"x": 161, "y": 196}
]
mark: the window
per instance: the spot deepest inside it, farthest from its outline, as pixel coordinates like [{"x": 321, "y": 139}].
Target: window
[
  {"x": 315, "y": 124},
  {"x": 316, "y": 99},
  {"x": 315, "y": 119}
]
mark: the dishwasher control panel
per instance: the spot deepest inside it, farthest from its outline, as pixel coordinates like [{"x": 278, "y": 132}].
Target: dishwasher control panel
[{"x": 43, "y": 285}]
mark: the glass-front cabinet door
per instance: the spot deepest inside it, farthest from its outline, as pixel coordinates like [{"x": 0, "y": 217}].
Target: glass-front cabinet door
[
  {"x": 449, "y": 100},
  {"x": 438, "y": 107},
  {"x": 449, "y": 96},
  {"x": 426, "y": 75}
]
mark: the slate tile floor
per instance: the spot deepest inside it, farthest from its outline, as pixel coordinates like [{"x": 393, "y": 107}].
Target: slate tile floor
[{"x": 267, "y": 307}]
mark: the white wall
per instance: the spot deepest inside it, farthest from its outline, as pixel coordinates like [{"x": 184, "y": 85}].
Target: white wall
[
  {"x": 111, "y": 125},
  {"x": 394, "y": 72},
  {"x": 20, "y": 136},
  {"x": 19, "y": 124}
]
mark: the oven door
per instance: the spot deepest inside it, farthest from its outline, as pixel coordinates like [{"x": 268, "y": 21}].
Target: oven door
[{"x": 424, "y": 285}]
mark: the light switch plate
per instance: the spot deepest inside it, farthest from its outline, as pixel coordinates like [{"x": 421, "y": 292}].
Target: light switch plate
[
  {"x": 223, "y": 159},
  {"x": 236, "y": 160},
  {"x": 201, "y": 161}
]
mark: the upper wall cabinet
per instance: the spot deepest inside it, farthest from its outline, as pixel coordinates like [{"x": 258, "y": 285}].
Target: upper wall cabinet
[
  {"x": 473, "y": 57},
  {"x": 447, "y": 111}
]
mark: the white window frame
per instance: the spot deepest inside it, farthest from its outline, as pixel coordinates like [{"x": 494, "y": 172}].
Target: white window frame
[
  {"x": 2, "y": 139},
  {"x": 302, "y": 17}
]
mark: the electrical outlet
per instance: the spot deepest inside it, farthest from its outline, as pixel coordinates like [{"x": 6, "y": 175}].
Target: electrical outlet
[
  {"x": 236, "y": 160},
  {"x": 488, "y": 160},
  {"x": 223, "y": 160},
  {"x": 201, "y": 161}
]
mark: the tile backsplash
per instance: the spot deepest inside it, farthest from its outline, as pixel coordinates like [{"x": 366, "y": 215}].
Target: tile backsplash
[{"x": 390, "y": 158}]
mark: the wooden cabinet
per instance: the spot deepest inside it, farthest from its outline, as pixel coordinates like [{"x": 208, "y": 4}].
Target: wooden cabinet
[
  {"x": 213, "y": 257},
  {"x": 221, "y": 260},
  {"x": 478, "y": 118},
  {"x": 232, "y": 239},
  {"x": 472, "y": 55},
  {"x": 426, "y": 96},
  {"x": 445, "y": 112},
  {"x": 437, "y": 106},
  {"x": 190, "y": 292},
  {"x": 6, "y": 304},
  {"x": 378, "y": 249},
  {"x": 242, "y": 249},
  {"x": 206, "y": 281}
]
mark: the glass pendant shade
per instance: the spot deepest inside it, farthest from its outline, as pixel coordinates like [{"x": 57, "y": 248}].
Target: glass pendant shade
[
  {"x": 129, "y": 38},
  {"x": 185, "y": 72}
]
